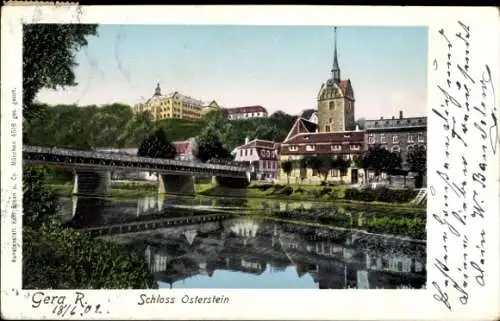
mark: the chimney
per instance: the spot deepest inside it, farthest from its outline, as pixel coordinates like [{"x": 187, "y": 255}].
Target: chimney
[
  {"x": 400, "y": 114},
  {"x": 392, "y": 117},
  {"x": 357, "y": 127},
  {"x": 246, "y": 140},
  {"x": 381, "y": 118}
]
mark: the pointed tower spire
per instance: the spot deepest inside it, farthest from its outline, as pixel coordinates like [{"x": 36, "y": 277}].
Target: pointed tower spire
[
  {"x": 157, "y": 89},
  {"x": 335, "y": 67}
]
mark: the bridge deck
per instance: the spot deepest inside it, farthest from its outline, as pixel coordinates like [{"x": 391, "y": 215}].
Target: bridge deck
[{"x": 107, "y": 160}]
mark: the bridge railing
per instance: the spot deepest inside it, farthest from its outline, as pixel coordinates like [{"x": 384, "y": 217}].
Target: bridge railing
[{"x": 128, "y": 157}]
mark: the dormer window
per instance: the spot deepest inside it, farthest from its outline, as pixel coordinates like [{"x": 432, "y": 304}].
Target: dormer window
[
  {"x": 347, "y": 136},
  {"x": 355, "y": 147},
  {"x": 293, "y": 148},
  {"x": 310, "y": 148}
]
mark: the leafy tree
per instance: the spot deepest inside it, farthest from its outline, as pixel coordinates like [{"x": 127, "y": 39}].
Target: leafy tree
[
  {"x": 417, "y": 159},
  {"x": 315, "y": 163},
  {"x": 361, "y": 161},
  {"x": 287, "y": 167},
  {"x": 54, "y": 256},
  {"x": 303, "y": 165},
  {"x": 39, "y": 203},
  {"x": 342, "y": 165},
  {"x": 324, "y": 164},
  {"x": 48, "y": 58},
  {"x": 136, "y": 130},
  {"x": 210, "y": 146},
  {"x": 157, "y": 145}
]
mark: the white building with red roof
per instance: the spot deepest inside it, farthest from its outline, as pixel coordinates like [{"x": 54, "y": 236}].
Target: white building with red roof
[
  {"x": 262, "y": 156},
  {"x": 246, "y": 112}
]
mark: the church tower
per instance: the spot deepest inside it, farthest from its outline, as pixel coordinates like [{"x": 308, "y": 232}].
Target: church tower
[{"x": 336, "y": 100}]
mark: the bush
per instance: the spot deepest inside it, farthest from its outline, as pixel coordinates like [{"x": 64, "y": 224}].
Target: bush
[
  {"x": 231, "y": 182},
  {"x": 287, "y": 190},
  {"x": 300, "y": 190},
  {"x": 264, "y": 187},
  {"x": 55, "y": 257},
  {"x": 381, "y": 194},
  {"x": 411, "y": 227}
]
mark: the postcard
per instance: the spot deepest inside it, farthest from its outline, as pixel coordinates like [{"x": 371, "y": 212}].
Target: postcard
[{"x": 250, "y": 162}]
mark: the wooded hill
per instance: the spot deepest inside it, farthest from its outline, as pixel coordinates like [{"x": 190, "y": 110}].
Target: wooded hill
[{"x": 116, "y": 126}]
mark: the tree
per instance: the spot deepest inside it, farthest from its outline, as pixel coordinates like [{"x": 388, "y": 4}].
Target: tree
[
  {"x": 342, "y": 165},
  {"x": 303, "y": 165},
  {"x": 158, "y": 146},
  {"x": 48, "y": 58},
  {"x": 315, "y": 164},
  {"x": 210, "y": 146},
  {"x": 361, "y": 161},
  {"x": 324, "y": 165},
  {"x": 392, "y": 164},
  {"x": 417, "y": 159},
  {"x": 39, "y": 203},
  {"x": 287, "y": 167}
]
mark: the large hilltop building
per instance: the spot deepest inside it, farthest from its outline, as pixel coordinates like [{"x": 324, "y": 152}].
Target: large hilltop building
[{"x": 174, "y": 105}]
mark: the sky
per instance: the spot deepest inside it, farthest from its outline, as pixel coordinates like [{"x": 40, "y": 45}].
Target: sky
[{"x": 278, "y": 67}]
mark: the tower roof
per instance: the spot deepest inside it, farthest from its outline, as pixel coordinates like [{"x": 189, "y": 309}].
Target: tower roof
[
  {"x": 335, "y": 66},
  {"x": 157, "y": 89}
]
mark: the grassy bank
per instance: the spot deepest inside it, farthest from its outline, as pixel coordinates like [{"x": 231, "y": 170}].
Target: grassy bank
[
  {"x": 310, "y": 193},
  {"x": 119, "y": 189}
]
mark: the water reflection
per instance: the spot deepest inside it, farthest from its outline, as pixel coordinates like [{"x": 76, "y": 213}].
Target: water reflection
[
  {"x": 199, "y": 250},
  {"x": 225, "y": 253}
]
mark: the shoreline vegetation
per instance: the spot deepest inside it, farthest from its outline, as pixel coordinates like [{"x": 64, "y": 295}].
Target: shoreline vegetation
[{"x": 314, "y": 193}]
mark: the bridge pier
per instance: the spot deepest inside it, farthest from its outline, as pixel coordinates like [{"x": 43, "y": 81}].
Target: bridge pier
[
  {"x": 92, "y": 183},
  {"x": 176, "y": 184}
]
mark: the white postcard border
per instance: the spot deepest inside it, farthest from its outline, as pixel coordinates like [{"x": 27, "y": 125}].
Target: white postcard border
[{"x": 256, "y": 304}]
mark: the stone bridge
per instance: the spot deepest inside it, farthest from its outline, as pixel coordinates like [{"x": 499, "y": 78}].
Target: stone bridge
[{"x": 93, "y": 169}]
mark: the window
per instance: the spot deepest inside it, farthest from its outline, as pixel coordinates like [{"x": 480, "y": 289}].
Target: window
[
  {"x": 246, "y": 152},
  {"x": 382, "y": 138},
  {"x": 395, "y": 139},
  {"x": 241, "y": 152},
  {"x": 335, "y": 173},
  {"x": 293, "y": 148},
  {"x": 310, "y": 148},
  {"x": 329, "y": 120},
  {"x": 336, "y": 147},
  {"x": 420, "y": 138},
  {"x": 251, "y": 151},
  {"x": 331, "y": 105},
  {"x": 347, "y": 136},
  {"x": 395, "y": 149},
  {"x": 354, "y": 147},
  {"x": 327, "y": 128},
  {"x": 411, "y": 139},
  {"x": 371, "y": 139}
]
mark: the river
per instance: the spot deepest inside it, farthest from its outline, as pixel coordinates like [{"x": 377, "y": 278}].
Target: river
[{"x": 201, "y": 243}]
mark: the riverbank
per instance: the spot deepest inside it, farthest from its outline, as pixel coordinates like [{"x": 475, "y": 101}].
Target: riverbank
[{"x": 338, "y": 194}]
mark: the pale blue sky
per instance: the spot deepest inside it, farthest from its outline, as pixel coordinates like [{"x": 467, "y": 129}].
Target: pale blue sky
[{"x": 278, "y": 67}]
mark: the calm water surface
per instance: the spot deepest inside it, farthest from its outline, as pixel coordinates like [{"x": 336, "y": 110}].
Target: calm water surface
[{"x": 188, "y": 246}]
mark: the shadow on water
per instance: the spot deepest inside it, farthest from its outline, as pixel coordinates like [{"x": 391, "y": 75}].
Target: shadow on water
[{"x": 188, "y": 244}]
